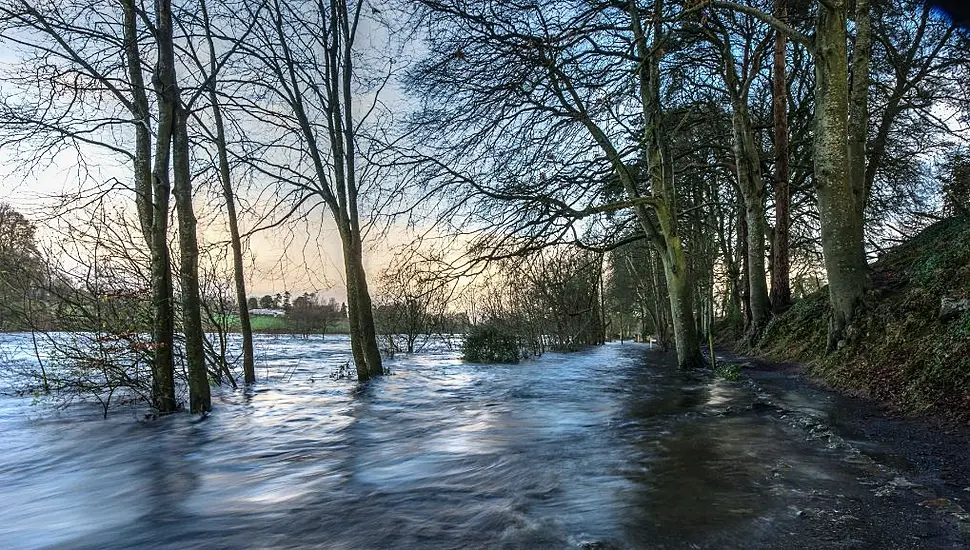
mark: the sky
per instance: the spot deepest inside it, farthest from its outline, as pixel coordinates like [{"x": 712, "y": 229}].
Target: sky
[{"x": 301, "y": 256}]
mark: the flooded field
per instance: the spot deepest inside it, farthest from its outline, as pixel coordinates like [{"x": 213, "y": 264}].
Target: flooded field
[{"x": 608, "y": 448}]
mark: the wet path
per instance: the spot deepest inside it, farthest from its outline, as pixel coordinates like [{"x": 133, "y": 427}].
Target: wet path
[{"x": 609, "y": 448}]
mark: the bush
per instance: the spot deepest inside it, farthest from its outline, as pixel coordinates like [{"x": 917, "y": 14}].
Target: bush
[
  {"x": 728, "y": 371},
  {"x": 491, "y": 343}
]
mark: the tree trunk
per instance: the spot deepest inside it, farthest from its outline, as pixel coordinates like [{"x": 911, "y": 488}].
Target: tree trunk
[
  {"x": 163, "y": 380},
  {"x": 363, "y": 336},
  {"x": 163, "y": 321},
  {"x": 365, "y": 313},
  {"x": 367, "y": 334},
  {"x": 752, "y": 190},
  {"x": 680, "y": 292},
  {"x": 200, "y": 400},
  {"x": 353, "y": 316},
  {"x": 745, "y": 272},
  {"x": 142, "y": 123},
  {"x": 175, "y": 141},
  {"x": 747, "y": 159},
  {"x": 841, "y": 224},
  {"x": 665, "y": 238},
  {"x": 780, "y": 257},
  {"x": 151, "y": 199},
  {"x": 225, "y": 178},
  {"x": 859, "y": 111}
]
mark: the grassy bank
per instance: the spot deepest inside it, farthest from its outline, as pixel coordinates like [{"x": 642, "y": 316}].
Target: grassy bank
[
  {"x": 284, "y": 325},
  {"x": 904, "y": 348}
]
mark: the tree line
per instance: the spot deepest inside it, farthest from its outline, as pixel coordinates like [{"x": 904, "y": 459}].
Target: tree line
[{"x": 589, "y": 165}]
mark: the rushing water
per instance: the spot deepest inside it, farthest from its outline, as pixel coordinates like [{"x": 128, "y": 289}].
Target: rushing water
[{"x": 611, "y": 447}]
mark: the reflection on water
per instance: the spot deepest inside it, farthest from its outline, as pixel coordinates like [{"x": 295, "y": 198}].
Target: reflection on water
[{"x": 605, "y": 448}]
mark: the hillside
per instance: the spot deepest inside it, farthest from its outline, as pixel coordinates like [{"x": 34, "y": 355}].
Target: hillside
[{"x": 910, "y": 346}]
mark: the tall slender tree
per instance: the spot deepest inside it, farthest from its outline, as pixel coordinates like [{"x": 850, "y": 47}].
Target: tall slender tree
[
  {"x": 780, "y": 260},
  {"x": 841, "y": 201},
  {"x": 301, "y": 84}
]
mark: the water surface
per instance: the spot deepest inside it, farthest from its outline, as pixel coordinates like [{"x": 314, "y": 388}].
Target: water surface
[{"x": 608, "y": 448}]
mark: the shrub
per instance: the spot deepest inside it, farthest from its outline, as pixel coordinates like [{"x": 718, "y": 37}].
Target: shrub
[{"x": 491, "y": 343}]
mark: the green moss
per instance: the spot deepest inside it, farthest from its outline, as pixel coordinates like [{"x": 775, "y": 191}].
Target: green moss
[
  {"x": 901, "y": 351},
  {"x": 728, "y": 371}
]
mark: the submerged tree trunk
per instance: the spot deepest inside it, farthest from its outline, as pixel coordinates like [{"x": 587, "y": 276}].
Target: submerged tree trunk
[
  {"x": 163, "y": 384},
  {"x": 365, "y": 320},
  {"x": 317, "y": 89},
  {"x": 151, "y": 199},
  {"x": 200, "y": 400},
  {"x": 175, "y": 140},
  {"x": 363, "y": 335},
  {"x": 839, "y": 212},
  {"x": 225, "y": 178},
  {"x": 780, "y": 258}
]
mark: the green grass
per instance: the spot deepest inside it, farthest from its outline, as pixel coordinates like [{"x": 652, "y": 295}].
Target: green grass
[
  {"x": 899, "y": 351},
  {"x": 266, "y": 323}
]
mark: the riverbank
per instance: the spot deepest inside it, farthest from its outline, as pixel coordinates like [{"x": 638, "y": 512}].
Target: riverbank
[
  {"x": 922, "y": 462},
  {"x": 910, "y": 343}
]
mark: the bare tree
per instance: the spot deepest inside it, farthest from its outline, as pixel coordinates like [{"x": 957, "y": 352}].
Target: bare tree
[
  {"x": 303, "y": 89},
  {"x": 82, "y": 81},
  {"x": 535, "y": 89}
]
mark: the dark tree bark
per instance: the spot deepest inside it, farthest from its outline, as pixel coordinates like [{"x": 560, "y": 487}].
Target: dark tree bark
[
  {"x": 315, "y": 85},
  {"x": 228, "y": 194},
  {"x": 173, "y": 144},
  {"x": 200, "y": 400},
  {"x": 163, "y": 384},
  {"x": 151, "y": 198},
  {"x": 780, "y": 253}
]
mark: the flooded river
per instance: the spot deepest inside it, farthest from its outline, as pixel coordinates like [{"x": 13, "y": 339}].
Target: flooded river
[{"x": 608, "y": 448}]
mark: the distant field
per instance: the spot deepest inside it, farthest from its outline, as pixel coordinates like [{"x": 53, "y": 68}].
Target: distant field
[{"x": 266, "y": 323}]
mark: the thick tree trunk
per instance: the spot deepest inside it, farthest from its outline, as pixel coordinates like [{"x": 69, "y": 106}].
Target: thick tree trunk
[
  {"x": 666, "y": 239},
  {"x": 368, "y": 332},
  {"x": 163, "y": 384},
  {"x": 363, "y": 335},
  {"x": 353, "y": 315},
  {"x": 680, "y": 292},
  {"x": 748, "y": 161},
  {"x": 780, "y": 255},
  {"x": 841, "y": 223},
  {"x": 200, "y": 400}
]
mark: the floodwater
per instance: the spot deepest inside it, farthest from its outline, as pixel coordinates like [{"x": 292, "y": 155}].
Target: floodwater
[{"x": 607, "y": 448}]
